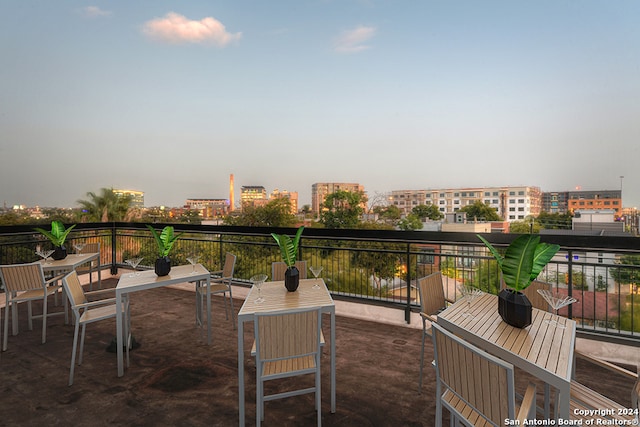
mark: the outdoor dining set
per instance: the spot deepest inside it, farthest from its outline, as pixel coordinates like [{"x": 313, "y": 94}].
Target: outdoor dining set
[{"x": 476, "y": 354}]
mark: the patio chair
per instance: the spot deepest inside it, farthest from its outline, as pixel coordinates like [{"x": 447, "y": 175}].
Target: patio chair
[
  {"x": 537, "y": 300},
  {"x": 220, "y": 284},
  {"x": 26, "y": 283},
  {"x": 86, "y": 312},
  {"x": 432, "y": 302},
  {"x": 278, "y": 268},
  {"x": 287, "y": 345},
  {"x": 583, "y": 398},
  {"x": 92, "y": 266},
  {"x": 474, "y": 386}
]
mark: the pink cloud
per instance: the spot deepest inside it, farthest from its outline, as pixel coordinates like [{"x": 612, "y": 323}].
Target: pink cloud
[
  {"x": 95, "y": 11},
  {"x": 176, "y": 29},
  {"x": 354, "y": 40}
]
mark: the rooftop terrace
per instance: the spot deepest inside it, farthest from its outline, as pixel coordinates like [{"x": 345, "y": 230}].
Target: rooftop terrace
[{"x": 176, "y": 379}]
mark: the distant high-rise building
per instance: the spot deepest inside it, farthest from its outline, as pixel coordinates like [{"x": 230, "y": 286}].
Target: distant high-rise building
[
  {"x": 137, "y": 197},
  {"x": 595, "y": 200},
  {"x": 253, "y": 195},
  {"x": 570, "y": 201},
  {"x": 555, "y": 201},
  {"x": 291, "y": 195},
  {"x": 320, "y": 190},
  {"x": 510, "y": 203}
]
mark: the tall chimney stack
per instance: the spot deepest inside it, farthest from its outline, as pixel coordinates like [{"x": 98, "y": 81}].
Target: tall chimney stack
[{"x": 231, "y": 198}]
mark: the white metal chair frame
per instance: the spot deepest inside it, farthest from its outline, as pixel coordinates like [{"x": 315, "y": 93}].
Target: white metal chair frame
[
  {"x": 220, "y": 284},
  {"x": 26, "y": 283},
  {"x": 92, "y": 266},
  {"x": 583, "y": 398},
  {"x": 86, "y": 312},
  {"x": 474, "y": 386},
  {"x": 287, "y": 344}
]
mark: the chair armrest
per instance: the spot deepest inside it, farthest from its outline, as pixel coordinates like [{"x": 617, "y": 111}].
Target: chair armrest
[
  {"x": 100, "y": 292},
  {"x": 528, "y": 406},
  {"x": 606, "y": 365},
  {"x": 96, "y": 303},
  {"x": 216, "y": 273},
  {"x": 221, "y": 279},
  {"x": 429, "y": 317},
  {"x": 55, "y": 279}
]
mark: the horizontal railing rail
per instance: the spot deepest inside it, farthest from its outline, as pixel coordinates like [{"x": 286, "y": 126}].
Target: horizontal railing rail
[{"x": 381, "y": 266}]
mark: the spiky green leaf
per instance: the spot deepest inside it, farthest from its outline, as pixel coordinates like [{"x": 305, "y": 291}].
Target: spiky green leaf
[
  {"x": 58, "y": 234},
  {"x": 493, "y": 250},
  {"x": 518, "y": 261},
  {"x": 524, "y": 260},
  {"x": 544, "y": 253},
  {"x": 165, "y": 239},
  {"x": 288, "y": 247}
]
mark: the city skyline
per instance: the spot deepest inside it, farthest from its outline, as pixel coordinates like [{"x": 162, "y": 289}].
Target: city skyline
[
  {"x": 170, "y": 98},
  {"x": 373, "y": 199}
]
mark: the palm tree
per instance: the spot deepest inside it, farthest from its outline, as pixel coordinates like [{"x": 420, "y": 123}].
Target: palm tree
[{"x": 105, "y": 207}]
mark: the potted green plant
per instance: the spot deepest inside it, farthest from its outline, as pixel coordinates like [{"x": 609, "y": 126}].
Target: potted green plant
[
  {"x": 289, "y": 252},
  {"x": 57, "y": 236},
  {"x": 165, "y": 241},
  {"x": 522, "y": 262}
]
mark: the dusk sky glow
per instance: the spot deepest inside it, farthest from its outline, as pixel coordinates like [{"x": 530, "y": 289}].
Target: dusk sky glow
[{"x": 171, "y": 97}]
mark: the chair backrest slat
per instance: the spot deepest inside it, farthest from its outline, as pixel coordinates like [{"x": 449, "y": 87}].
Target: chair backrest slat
[
  {"x": 484, "y": 382},
  {"x": 431, "y": 289},
  {"x": 90, "y": 248},
  {"x": 287, "y": 335},
  {"x": 534, "y": 296},
  {"x": 74, "y": 290},
  {"x": 302, "y": 268},
  {"x": 22, "y": 277},
  {"x": 229, "y": 266},
  {"x": 278, "y": 268}
]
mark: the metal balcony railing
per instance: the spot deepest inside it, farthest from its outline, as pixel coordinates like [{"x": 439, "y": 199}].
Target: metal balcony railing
[{"x": 381, "y": 266}]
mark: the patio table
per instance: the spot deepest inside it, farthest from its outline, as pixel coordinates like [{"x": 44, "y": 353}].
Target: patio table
[
  {"x": 148, "y": 280},
  {"x": 277, "y": 298},
  {"x": 70, "y": 262},
  {"x": 542, "y": 349}
]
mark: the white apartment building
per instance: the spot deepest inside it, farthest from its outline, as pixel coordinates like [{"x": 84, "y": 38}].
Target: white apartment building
[{"x": 511, "y": 203}]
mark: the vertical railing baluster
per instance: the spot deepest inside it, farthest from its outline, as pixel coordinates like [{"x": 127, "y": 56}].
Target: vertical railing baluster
[
  {"x": 114, "y": 266},
  {"x": 407, "y": 310},
  {"x": 570, "y": 284}
]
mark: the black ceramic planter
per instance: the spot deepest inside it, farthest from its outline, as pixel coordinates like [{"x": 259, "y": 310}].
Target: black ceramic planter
[
  {"x": 291, "y": 279},
  {"x": 514, "y": 308},
  {"x": 163, "y": 266},
  {"x": 59, "y": 253}
]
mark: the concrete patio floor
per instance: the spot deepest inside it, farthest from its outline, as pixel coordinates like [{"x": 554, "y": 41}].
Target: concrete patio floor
[{"x": 175, "y": 379}]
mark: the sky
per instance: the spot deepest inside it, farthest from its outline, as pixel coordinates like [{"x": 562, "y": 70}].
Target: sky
[{"x": 171, "y": 97}]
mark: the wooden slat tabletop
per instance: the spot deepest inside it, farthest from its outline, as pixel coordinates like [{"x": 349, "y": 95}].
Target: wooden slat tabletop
[{"x": 276, "y": 297}]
